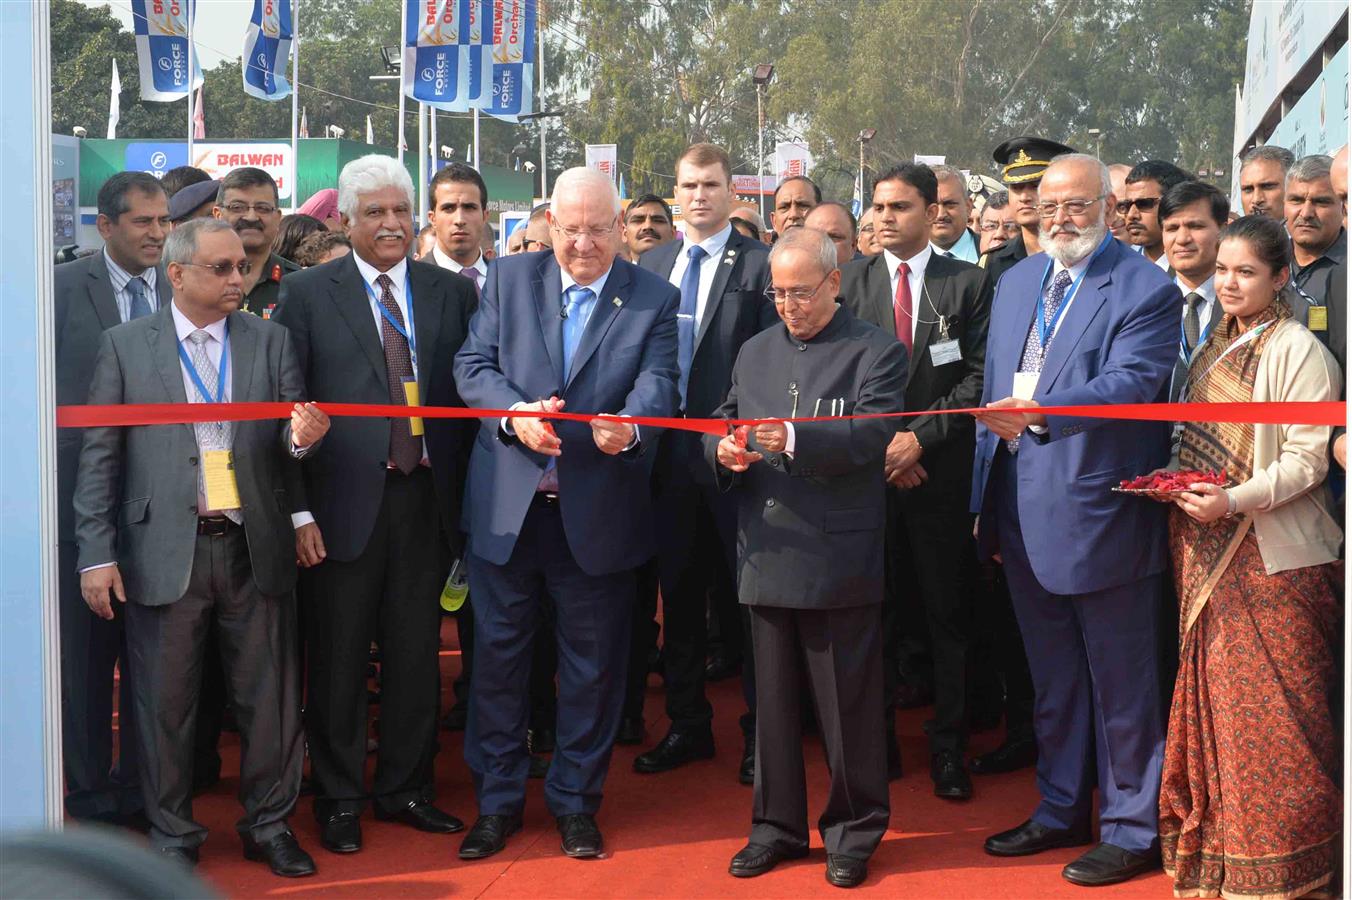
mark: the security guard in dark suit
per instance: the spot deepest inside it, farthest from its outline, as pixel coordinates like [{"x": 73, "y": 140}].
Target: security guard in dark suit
[{"x": 1022, "y": 161}]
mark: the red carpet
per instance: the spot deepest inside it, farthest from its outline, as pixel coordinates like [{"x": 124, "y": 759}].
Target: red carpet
[{"x": 666, "y": 835}]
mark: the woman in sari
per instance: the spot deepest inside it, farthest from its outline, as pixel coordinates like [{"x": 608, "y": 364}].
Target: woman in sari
[{"x": 1250, "y": 805}]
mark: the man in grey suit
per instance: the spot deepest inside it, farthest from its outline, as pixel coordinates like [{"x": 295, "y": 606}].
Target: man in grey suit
[
  {"x": 191, "y": 523},
  {"x": 811, "y": 507},
  {"x": 121, "y": 283}
]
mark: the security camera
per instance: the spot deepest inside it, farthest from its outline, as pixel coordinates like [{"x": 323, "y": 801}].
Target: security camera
[
  {"x": 80, "y": 131},
  {"x": 529, "y": 166},
  {"x": 447, "y": 151},
  {"x": 336, "y": 132}
]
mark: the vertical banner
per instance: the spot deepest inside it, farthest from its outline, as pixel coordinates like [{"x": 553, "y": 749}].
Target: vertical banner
[
  {"x": 603, "y": 158},
  {"x": 114, "y": 102},
  {"x": 162, "y": 49},
  {"x": 791, "y": 159},
  {"x": 267, "y": 47},
  {"x": 433, "y": 32},
  {"x": 511, "y": 78}
]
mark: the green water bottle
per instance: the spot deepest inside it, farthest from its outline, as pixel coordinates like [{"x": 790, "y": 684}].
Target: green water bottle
[{"x": 456, "y": 591}]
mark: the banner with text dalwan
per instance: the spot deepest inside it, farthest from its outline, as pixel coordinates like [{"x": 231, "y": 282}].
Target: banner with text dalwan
[
  {"x": 267, "y": 46},
  {"x": 162, "y": 48},
  {"x": 509, "y": 72},
  {"x": 471, "y": 54},
  {"x": 436, "y": 62}
]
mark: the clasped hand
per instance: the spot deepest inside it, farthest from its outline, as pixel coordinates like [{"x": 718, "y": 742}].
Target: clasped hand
[
  {"x": 1009, "y": 417},
  {"x": 611, "y": 437}
]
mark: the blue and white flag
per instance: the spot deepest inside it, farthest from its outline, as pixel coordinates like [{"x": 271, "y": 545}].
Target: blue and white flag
[
  {"x": 267, "y": 46},
  {"x": 161, "y": 28},
  {"x": 435, "y": 64},
  {"x": 509, "y": 76}
]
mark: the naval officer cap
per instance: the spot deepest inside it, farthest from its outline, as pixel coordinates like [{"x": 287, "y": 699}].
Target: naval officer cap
[{"x": 1024, "y": 159}]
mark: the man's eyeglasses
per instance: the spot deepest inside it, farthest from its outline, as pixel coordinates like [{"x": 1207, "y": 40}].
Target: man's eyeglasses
[
  {"x": 528, "y": 245},
  {"x": 866, "y": 229},
  {"x": 573, "y": 234},
  {"x": 800, "y": 296},
  {"x": 223, "y": 269},
  {"x": 1072, "y": 207},
  {"x": 1006, "y": 227},
  {"x": 261, "y": 209},
  {"x": 1144, "y": 204}
]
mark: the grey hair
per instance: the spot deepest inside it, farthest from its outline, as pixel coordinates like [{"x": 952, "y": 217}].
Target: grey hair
[
  {"x": 1105, "y": 180},
  {"x": 582, "y": 178},
  {"x": 749, "y": 214},
  {"x": 181, "y": 244},
  {"x": 942, "y": 172},
  {"x": 816, "y": 244},
  {"x": 1270, "y": 153},
  {"x": 1310, "y": 168},
  {"x": 370, "y": 173}
]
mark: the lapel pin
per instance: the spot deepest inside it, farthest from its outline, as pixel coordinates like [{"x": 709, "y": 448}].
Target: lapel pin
[
  {"x": 732, "y": 253},
  {"x": 728, "y": 261},
  {"x": 618, "y": 302}
]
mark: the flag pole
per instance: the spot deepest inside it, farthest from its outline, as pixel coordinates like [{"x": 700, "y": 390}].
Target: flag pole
[
  {"x": 192, "y": 8},
  {"x": 540, "y": 95},
  {"x": 399, "y": 132},
  {"x": 476, "y": 137},
  {"x": 422, "y": 163},
  {"x": 295, "y": 102}
]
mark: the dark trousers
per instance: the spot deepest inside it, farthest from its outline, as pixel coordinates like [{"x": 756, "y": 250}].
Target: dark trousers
[
  {"x": 388, "y": 594},
  {"x": 210, "y": 712},
  {"x": 999, "y": 660},
  {"x": 932, "y": 558},
  {"x": 91, "y": 648},
  {"x": 591, "y": 630},
  {"x": 642, "y": 638},
  {"x": 840, "y": 652},
  {"x": 1095, "y": 679},
  {"x": 167, "y": 645}
]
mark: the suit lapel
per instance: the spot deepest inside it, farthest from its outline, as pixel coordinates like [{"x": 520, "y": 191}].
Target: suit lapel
[
  {"x": 547, "y": 286},
  {"x": 427, "y": 303},
  {"x": 727, "y": 265},
  {"x": 1084, "y": 306},
  {"x": 163, "y": 341},
  {"x": 880, "y": 294},
  {"x": 243, "y": 351},
  {"x": 664, "y": 258},
  {"x": 353, "y": 304},
  {"x": 163, "y": 289},
  {"x": 927, "y": 312},
  {"x": 607, "y": 308},
  {"x": 101, "y": 293}
]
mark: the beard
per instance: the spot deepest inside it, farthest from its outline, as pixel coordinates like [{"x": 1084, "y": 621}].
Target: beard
[{"x": 1068, "y": 251}]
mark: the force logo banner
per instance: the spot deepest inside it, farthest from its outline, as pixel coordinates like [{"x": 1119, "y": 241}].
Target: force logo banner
[
  {"x": 267, "y": 45},
  {"x": 436, "y": 64},
  {"x": 511, "y": 76},
  {"x": 162, "y": 55}
]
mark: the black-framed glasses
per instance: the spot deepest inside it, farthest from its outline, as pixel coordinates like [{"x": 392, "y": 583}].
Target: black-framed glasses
[
  {"x": 239, "y": 208},
  {"x": 223, "y": 269},
  {"x": 800, "y": 296},
  {"x": 527, "y": 245},
  {"x": 1006, "y": 227},
  {"x": 1072, "y": 207},
  {"x": 1144, "y": 204}
]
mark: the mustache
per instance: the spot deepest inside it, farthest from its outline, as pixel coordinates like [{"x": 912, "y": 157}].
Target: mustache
[
  {"x": 648, "y": 232},
  {"x": 385, "y": 232},
  {"x": 245, "y": 224}
]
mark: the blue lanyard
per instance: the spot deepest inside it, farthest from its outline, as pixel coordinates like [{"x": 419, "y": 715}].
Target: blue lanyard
[
  {"x": 1046, "y": 329},
  {"x": 1185, "y": 352},
  {"x": 220, "y": 374},
  {"x": 406, "y": 333}
]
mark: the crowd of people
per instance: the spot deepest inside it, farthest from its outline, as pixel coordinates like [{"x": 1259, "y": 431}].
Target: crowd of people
[{"x": 1174, "y": 652}]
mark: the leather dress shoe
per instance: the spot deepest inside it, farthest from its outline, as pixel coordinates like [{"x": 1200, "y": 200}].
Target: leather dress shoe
[
  {"x": 540, "y": 740},
  {"x": 676, "y": 749},
  {"x": 283, "y": 854},
  {"x": 1010, "y": 756},
  {"x": 423, "y": 816},
  {"x": 746, "y": 769},
  {"x": 580, "y": 838},
  {"x": 1108, "y": 864},
  {"x": 845, "y": 871},
  {"x": 631, "y": 731},
  {"x": 1033, "y": 837},
  {"x": 340, "y": 833},
  {"x": 721, "y": 668},
  {"x": 951, "y": 780},
  {"x": 488, "y": 835},
  {"x": 757, "y": 859},
  {"x": 186, "y": 856}
]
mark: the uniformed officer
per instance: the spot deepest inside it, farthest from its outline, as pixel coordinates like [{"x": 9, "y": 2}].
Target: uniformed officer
[
  {"x": 248, "y": 200},
  {"x": 1023, "y": 160}
]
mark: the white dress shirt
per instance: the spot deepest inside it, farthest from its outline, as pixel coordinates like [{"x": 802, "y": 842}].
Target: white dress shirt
[
  {"x": 476, "y": 271},
  {"x": 916, "y": 279},
  {"x": 215, "y": 347},
  {"x": 713, "y": 249},
  {"x": 119, "y": 277}
]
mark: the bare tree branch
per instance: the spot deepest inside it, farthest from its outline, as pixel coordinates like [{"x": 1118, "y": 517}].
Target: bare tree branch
[{"x": 1018, "y": 79}]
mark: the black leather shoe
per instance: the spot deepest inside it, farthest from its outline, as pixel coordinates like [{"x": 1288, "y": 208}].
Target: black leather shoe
[
  {"x": 893, "y": 758},
  {"x": 540, "y": 740},
  {"x": 757, "y": 859},
  {"x": 951, "y": 780},
  {"x": 185, "y": 856},
  {"x": 676, "y": 749},
  {"x": 488, "y": 835},
  {"x": 1107, "y": 864},
  {"x": 721, "y": 668},
  {"x": 581, "y": 839},
  {"x": 1010, "y": 756},
  {"x": 340, "y": 833},
  {"x": 746, "y": 770},
  {"x": 1032, "y": 837},
  {"x": 539, "y": 766},
  {"x": 456, "y": 717},
  {"x": 283, "y": 855},
  {"x": 845, "y": 871},
  {"x": 631, "y": 731},
  {"x": 424, "y": 817}
]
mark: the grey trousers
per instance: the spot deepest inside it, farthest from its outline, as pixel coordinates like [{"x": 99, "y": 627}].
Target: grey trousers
[
  {"x": 840, "y": 650},
  {"x": 257, "y": 642}
]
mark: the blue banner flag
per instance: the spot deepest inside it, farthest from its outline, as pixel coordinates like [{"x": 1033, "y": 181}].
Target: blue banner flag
[
  {"x": 267, "y": 45},
  {"x": 509, "y": 75},
  {"x": 162, "y": 48},
  {"x": 435, "y": 68}
]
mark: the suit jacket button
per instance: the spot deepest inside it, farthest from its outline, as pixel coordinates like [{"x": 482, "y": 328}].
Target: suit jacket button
[
  {"x": 802, "y": 346},
  {"x": 770, "y": 502},
  {"x": 774, "y": 461},
  {"x": 192, "y": 460}
]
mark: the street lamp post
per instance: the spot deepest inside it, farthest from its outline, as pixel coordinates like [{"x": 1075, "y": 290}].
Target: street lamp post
[
  {"x": 761, "y": 75},
  {"x": 1097, "y": 135},
  {"x": 864, "y": 137},
  {"x": 544, "y": 162}
]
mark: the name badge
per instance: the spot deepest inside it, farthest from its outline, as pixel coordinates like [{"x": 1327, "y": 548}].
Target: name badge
[
  {"x": 1025, "y": 385},
  {"x": 942, "y": 354},
  {"x": 415, "y": 424},
  {"x": 218, "y": 476},
  {"x": 1319, "y": 318}
]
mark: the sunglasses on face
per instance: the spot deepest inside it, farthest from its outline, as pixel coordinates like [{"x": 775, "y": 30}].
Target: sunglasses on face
[{"x": 1144, "y": 204}]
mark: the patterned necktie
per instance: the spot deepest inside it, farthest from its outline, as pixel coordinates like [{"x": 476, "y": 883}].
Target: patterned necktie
[
  {"x": 1034, "y": 353},
  {"x": 575, "y": 315},
  {"x": 685, "y": 320},
  {"x": 901, "y": 307},
  {"x": 210, "y": 435},
  {"x": 405, "y": 449},
  {"x": 140, "y": 298},
  {"x": 1192, "y": 323}
]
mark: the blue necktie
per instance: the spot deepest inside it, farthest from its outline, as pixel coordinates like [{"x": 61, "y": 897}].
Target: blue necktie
[
  {"x": 685, "y": 321},
  {"x": 140, "y": 298},
  {"x": 575, "y": 315}
]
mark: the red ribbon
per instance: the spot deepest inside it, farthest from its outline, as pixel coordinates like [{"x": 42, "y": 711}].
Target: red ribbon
[{"x": 1330, "y": 413}]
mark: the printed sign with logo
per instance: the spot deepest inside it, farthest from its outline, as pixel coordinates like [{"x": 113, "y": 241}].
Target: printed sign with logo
[
  {"x": 155, "y": 157},
  {"x": 792, "y": 159},
  {"x": 162, "y": 48},
  {"x": 602, "y": 157}
]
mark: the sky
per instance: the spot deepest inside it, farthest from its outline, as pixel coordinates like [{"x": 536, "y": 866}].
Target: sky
[{"x": 218, "y": 30}]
